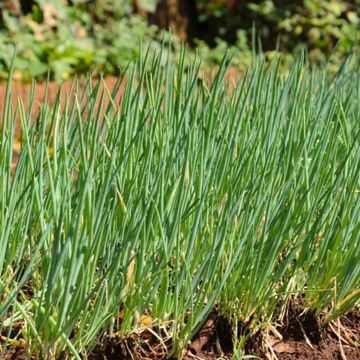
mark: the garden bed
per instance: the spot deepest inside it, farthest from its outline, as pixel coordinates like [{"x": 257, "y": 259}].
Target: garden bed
[
  {"x": 302, "y": 338},
  {"x": 124, "y": 227}
]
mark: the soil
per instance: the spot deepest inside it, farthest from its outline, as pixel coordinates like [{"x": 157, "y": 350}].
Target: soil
[
  {"x": 41, "y": 90},
  {"x": 51, "y": 90},
  {"x": 213, "y": 341},
  {"x": 301, "y": 337},
  {"x": 14, "y": 354},
  {"x": 23, "y": 91}
]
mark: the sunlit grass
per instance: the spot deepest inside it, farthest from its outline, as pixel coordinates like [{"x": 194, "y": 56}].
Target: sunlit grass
[{"x": 182, "y": 197}]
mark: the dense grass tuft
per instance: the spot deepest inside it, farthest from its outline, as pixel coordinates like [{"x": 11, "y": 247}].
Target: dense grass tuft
[{"x": 185, "y": 196}]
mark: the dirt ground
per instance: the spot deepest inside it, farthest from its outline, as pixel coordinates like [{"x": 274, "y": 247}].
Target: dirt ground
[
  {"x": 23, "y": 91},
  {"x": 302, "y": 338},
  {"x": 48, "y": 93}
]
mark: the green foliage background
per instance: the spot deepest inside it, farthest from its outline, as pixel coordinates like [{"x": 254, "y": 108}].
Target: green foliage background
[
  {"x": 104, "y": 35},
  {"x": 68, "y": 40}
]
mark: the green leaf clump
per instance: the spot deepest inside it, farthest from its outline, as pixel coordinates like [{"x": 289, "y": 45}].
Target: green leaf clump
[{"x": 186, "y": 194}]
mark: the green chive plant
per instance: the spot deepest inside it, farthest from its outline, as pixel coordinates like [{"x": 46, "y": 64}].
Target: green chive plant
[{"x": 185, "y": 195}]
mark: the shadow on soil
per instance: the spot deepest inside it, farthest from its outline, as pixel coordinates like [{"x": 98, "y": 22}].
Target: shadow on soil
[{"x": 301, "y": 337}]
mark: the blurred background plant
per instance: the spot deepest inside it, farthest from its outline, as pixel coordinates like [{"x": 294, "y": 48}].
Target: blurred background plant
[{"x": 68, "y": 37}]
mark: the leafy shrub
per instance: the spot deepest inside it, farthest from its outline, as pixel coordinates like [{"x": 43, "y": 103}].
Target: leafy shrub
[
  {"x": 103, "y": 35},
  {"x": 68, "y": 40},
  {"x": 323, "y": 26}
]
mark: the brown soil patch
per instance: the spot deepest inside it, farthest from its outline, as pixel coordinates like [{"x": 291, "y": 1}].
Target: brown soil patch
[
  {"x": 16, "y": 351},
  {"x": 143, "y": 346},
  {"x": 213, "y": 341},
  {"x": 14, "y": 354},
  {"x": 23, "y": 91},
  {"x": 302, "y": 338}
]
